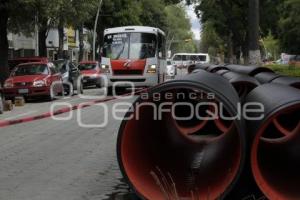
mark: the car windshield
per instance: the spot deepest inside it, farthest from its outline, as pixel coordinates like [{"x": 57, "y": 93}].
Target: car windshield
[
  {"x": 87, "y": 66},
  {"x": 129, "y": 46},
  {"x": 198, "y": 58},
  {"x": 23, "y": 70},
  {"x": 177, "y": 58}
]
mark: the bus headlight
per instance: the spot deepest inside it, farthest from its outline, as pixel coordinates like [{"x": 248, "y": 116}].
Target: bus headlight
[
  {"x": 152, "y": 69},
  {"x": 105, "y": 69}
]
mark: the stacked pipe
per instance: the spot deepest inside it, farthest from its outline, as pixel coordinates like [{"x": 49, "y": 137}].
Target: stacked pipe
[{"x": 170, "y": 157}]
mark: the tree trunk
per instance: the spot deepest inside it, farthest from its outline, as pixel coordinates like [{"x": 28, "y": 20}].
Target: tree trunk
[
  {"x": 81, "y": 44},
  {"x": 42, "y": 42},
  {"x": 4, "y": 71},
  {"x": 61, "y": 35},
  {"x": 230, "y": 50},
  {"x": 254, "y": 51}
]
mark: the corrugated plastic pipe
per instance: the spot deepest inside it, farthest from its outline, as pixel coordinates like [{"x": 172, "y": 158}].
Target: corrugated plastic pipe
[{"x": 175, "y": 158}]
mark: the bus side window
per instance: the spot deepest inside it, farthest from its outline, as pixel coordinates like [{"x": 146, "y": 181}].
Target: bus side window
[{"x": 161, "y": 46}]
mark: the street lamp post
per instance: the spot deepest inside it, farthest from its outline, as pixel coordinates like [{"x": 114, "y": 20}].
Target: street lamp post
[{"x": 95, "y": 29}]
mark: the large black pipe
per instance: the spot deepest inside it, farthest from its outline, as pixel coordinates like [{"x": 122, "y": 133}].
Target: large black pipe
[
  {"x": 196, "y": 67},
  {"x": 248, "y": 70},
  {"x": 216, "y": 68},
  {"x": 266, "y": 77},
  {"x": 290, "y": 81},
  {"x": 275, "y": 151},
  {"x": 222, "y": 72},
  {"x": 171, "y": 158},
  {"x": 242, "y": 83}
]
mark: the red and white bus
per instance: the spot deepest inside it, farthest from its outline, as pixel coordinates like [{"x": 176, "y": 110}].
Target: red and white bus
[{"x": 135, "y": 54}]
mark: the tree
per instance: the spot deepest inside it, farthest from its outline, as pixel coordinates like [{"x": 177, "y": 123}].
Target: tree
[
  {"x": 4, "y": 14},
  {"x": 155, "y": 15},
  {"x": 253, "y": 32},
  {"x": 271, "y": 46},
  {"x": 229, "y": 20},
  {"x": 290, "y": 27},
  {"x": 178, "y": 30},
  {"x": 10, "y": 15},
  {"x": 82, "y": 10},
  {"x": 210, "y": 41}
]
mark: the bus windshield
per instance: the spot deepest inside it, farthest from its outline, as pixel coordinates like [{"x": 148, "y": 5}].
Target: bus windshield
[{"x": 129, "y": 46}]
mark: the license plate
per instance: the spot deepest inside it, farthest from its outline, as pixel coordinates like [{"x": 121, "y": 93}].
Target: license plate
[
  {"x": 23, "y": 91},
  {"x": 84, "y": 80}
]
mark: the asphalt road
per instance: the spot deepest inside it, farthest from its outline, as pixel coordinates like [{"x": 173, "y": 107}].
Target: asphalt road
[
  {"x": 51, "y": 159},
  {"x": 60, "y": 160}
]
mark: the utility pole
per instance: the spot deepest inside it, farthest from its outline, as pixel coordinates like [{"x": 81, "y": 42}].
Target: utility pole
[
  {"x": 253, "y": 32},
  {"x": 95, "y": 29},
  {"x": 36, "y": 35}
]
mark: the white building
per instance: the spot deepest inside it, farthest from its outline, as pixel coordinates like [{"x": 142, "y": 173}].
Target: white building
[{"x": 22, "y": 46}]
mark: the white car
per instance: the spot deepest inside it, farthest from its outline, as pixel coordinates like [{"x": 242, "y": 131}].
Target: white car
[
  {"x": 170, "y": 70},
  {"x": 182, "y": 60}
]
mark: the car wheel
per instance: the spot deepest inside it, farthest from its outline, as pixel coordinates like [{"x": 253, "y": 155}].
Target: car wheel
[
  {"x": 1, "y": 105},
  {"x": 98, "y": 84},
  {"x": 69, "y": 89},
  {"x": 62, "y": 92},
  {"x": 109, "y": 91}
]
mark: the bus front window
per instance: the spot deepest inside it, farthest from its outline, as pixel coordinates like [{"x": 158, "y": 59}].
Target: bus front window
[
  {"x": 142, "y": 45},
  {"x": 116, "y": 46},
  {"x": 129, "y": 46}
]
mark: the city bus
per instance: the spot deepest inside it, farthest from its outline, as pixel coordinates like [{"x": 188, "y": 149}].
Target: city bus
[{"x": 135, "y": 55}]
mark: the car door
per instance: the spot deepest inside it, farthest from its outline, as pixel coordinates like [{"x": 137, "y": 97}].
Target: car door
[{"x": 55, "y": 77}]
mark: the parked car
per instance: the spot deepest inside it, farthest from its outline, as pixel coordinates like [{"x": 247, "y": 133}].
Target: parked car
[
  {"x": 12, "y": 63},
  {"x": 171, "y": 70},
  {"x": 90, "y": 70},
  {"x": 1, "y": 100},
  {"x": 70, "y": 74},
  {"x": 295, "y": 61},
  {"x": 38, "y": 79}
]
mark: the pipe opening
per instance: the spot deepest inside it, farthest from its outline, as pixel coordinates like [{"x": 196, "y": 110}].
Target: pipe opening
[
  {"x": 287, "y": 122},
  {"x": 162, "y": 162},
  {"x": 276, "y": 162}
]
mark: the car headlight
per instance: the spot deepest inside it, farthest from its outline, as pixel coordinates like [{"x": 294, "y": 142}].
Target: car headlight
[
  {"x": 8, "y": 84},
  {"x": 39, "y": 83},
  {"x": 152, "y": 69},
  {"x": 105, "y": 69}
]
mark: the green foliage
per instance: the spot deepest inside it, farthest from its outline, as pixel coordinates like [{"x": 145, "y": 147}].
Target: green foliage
[
  {"x": 178, "y": 30},
  {"x": 272, "y": 47},
  {"x": 155, "y": 15},
  {"x": 225, "y": 22},
  {"x": 290, "y": 27},
  {"x": 285, "y": 70},
  {"x": 210, "y": 39}
]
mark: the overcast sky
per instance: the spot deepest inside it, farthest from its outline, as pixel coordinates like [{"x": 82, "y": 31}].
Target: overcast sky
[{"x": 194, "y": 21}]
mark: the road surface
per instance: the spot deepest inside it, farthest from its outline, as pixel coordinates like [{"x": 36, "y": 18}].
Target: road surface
[{"x": 50, "y": 159}]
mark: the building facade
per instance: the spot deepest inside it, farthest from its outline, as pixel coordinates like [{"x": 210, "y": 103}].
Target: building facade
[{"x": 25, "y": 46}]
